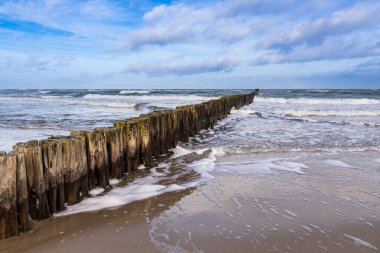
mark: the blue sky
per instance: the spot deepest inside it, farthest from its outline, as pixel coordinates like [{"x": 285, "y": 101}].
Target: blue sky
[{"x": 189, "y": 44}]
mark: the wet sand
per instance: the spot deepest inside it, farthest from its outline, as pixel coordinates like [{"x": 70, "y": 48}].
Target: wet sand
[{"x": 325, "y": 207}]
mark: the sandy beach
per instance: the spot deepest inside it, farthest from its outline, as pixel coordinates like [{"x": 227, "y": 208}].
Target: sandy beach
[
  {"x": 226, "y": 126},
  {"x": 319, "y": 205}
]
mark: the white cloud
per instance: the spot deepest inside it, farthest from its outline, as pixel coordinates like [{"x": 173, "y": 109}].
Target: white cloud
[
  {"x": 67, "y": 15},
  {"x": 358, "y": 46},
  {"x": 181, "y": 67},
  {"x": 361, "y": 16},
  {"x": 184, "y": 38}
]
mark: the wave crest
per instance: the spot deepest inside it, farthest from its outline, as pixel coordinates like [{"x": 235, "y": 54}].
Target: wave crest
[
  {"x": 303, "y": 113},
  {"x": 135, "y": 92},
  {"x": 315, "y": 101},
  {"x": 150, "y": 98}
]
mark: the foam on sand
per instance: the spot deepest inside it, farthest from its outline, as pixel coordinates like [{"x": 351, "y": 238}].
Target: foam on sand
[
  {"x": 360, "y": 242},
  {"x": 263, "y": 166},
  {"x": 139, "y": 189},
  {"x": 338, "y": 163},
  {"x": 179, "y": 151}
]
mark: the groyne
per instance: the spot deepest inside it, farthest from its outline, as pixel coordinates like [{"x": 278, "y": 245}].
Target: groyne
[{"x": 39, "y": 178}]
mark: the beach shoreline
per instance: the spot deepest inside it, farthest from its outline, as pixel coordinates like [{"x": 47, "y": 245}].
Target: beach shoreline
[{"x": 326, "y": 206}]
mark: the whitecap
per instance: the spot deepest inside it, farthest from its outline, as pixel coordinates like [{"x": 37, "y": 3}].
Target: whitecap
[
  {"x": 135, "y": 92},
  {"x": 315, "y": 101},
  {"x": 150, "y": 98},
  {"x": 327, "y": 113}
]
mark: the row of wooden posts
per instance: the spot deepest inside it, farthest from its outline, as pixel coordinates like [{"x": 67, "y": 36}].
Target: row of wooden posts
[{"x": 39, "y": 178}]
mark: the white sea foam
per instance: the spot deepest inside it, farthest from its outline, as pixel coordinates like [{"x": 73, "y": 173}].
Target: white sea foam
[
  {"x": 243, "y": 111},
  {"x": 315, "y": 101},
  {"x": 203, "y": 168},
  {"x": 56, "y": 97},
  {"x": 71, "y": 100},
  {"x": 139, "y": 189},
  {"x": 96, "y": 191},
  {"x": 145, "y": 187},
  {"x": 320, "y": 91},
  {"x": 291, "y": 213},
  {"x": 44, "y": 91},
  {"x": 179, "y": 151},
  {"x": 358, "y": 242},
  {"x": 107, "y": 104},
  {"x": 135, "y": 92},
  {"x": 306, "y": 228},
  {"x": 338, "y": 163},
  {"x": 263, "y": 166},
  {"x": 322, "y": 113},
  {"x": 151, "y": 98}
]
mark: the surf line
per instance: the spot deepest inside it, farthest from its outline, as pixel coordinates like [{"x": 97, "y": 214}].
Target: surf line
[{"x": 38, "y": 178}]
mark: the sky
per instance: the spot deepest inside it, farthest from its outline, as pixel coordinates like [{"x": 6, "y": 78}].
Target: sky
[{"x": 189, "y": 44}]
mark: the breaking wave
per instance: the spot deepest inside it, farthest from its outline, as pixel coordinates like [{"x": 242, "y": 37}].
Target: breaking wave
[
  {"x": 322, "y": 113},
  {"x": 314, "y": 101},
  {"x": 135, "y": 92},
  {"x": 150, "y": 98}
]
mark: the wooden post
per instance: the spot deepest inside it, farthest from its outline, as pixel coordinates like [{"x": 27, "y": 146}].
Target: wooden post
[
  {"x": 53, "y": 167},
  {"x": 37, "y": 198},
  {"x": 144, "y": 133},
  {"x": 74, "y": 162},
  {"x": 115, "y": 150},
  {"x": 97, "y": 157},
  {"x": 22, "y": 194},
  {"x": 8, "y": 196}
]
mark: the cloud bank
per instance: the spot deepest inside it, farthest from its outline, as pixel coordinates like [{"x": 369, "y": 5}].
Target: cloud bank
[{"x": 228, "y": 39}]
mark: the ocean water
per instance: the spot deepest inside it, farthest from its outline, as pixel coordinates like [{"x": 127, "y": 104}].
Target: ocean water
[
  {"x": 279, "y": 131},
  {"x": 36, "y": 114},
  {"x": 278, "y": 120},
  {"x": 305, "y": 163},
  {"x": 264, "y": 137}
]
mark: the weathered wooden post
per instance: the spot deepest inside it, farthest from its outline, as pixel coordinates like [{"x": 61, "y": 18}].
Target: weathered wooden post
[
  {"x": 22, "y": 194},
  {"x": 154, "y": 133},
  {"x": 144, "y": 133},
  {"x": 37, "y": 198},
  {"x": 130, "y": 143},
  {"x": 97, "y": 157},
  {"x": 53, "y": 167},
  {"x": 74, "y": 168},
  {"x": 8, "y": 196},
  {"x": 163, "y": 123},
  {"x": 13, "y": 195},
  {"x": 185, "y": 123},
  {"x": 175, "y": 118},
  {"x": 115, "y": 151}
]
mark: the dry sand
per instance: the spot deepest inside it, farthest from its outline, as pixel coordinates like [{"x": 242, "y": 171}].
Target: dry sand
[{"x": 326, "y": 209}]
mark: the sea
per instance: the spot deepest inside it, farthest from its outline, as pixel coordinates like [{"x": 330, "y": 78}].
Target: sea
[
  {"x": 280, "y": 131},
  {"x": 300, "y": 165}
]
